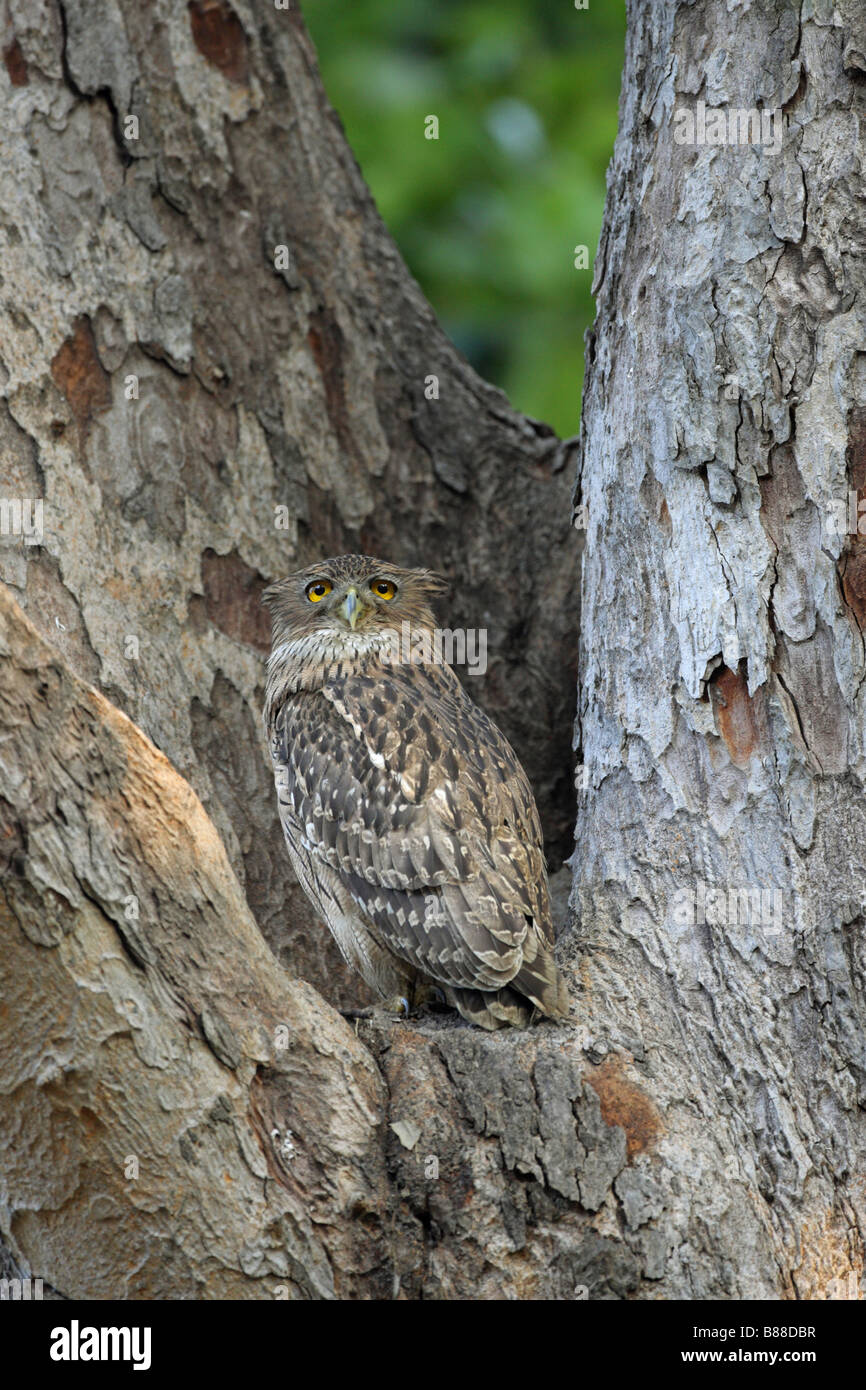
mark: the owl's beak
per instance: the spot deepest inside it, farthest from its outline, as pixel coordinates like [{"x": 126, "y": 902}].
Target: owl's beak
[{"x": 351, "y": 608}]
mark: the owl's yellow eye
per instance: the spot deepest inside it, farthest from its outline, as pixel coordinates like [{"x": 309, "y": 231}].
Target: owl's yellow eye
[
  {"x": 384, "y": 588},
  {"x": 319, "y": 589}
]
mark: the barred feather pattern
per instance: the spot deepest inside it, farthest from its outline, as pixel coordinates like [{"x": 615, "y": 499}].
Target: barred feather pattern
[{"x": 412, "y": 827}]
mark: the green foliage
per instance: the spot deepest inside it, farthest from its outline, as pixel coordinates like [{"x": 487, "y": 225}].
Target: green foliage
[{"x": 487, "y": 216}]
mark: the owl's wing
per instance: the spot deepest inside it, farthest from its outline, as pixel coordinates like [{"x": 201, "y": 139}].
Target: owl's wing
[{"x": 411, "y": 794}]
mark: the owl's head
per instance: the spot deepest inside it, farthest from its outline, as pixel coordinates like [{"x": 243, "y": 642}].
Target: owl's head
[{"x": 347, "y": 606}]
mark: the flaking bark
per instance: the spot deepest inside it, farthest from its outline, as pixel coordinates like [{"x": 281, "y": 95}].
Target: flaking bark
[
  {"x": 696, "y": 1129},
  {"x": 722, "y": 714}
]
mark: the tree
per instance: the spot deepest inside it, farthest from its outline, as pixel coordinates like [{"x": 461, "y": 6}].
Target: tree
[
  {"x": 720, "y": 876},
  {"x": 215, "y": 368}
]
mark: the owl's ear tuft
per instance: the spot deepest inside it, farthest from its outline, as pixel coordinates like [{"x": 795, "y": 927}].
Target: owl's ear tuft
[
  {"x": 280, "y": 589},
  {"x": 432, "y": 583}
]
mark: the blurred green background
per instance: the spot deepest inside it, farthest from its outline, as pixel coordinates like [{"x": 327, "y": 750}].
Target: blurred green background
[{"x": 487, "y": 217}]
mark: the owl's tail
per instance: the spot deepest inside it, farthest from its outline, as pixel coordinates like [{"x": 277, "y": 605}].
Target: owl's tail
[{"x": 538, "y": 988}]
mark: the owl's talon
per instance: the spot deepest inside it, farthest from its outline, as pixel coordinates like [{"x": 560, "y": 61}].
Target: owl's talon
[
  {"x": 430, "y": 996},
  {"x": 397, "y": 1006}
]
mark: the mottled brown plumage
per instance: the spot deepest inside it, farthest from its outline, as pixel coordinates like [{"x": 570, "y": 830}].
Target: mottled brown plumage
[{"x": 408, "y": 818}]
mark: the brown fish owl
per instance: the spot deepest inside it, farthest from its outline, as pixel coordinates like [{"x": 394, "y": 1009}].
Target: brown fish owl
[{"x": 410, "y": 823}]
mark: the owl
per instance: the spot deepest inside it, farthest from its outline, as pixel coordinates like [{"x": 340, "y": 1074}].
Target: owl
[{"x": 409, "y": 820}]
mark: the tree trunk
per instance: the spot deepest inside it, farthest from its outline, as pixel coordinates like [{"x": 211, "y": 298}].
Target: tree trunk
[
  {"x": 280, "y": 414},
  {"x": 179, "y": 1116},
  {"x": 722, "y": 714},
  {"x": 215, "y": 369}
]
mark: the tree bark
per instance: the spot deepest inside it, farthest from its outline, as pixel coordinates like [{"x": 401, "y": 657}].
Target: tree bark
[
  {"x": 198, "y": 416},
  {"x": 721, "y": 696},
  {"x": 151, "y": 252},
  {"x": 696, "y": 1129},
  {"x": 153, "y": 1059}
]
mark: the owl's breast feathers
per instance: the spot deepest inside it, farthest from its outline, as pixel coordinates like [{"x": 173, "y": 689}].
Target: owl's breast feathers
[{"x": 393, "y": 779}]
